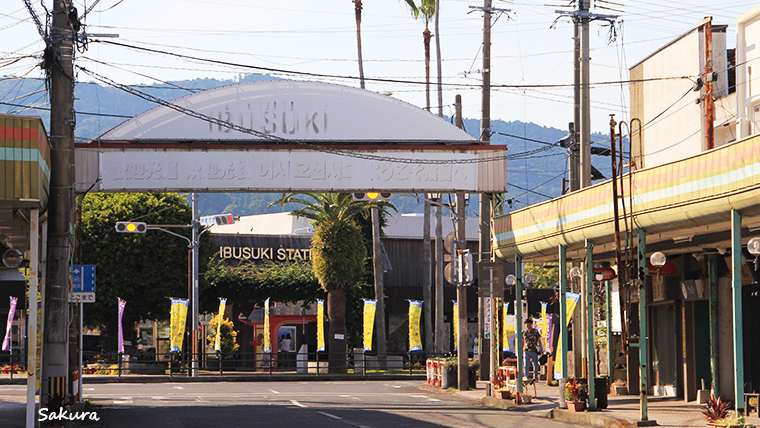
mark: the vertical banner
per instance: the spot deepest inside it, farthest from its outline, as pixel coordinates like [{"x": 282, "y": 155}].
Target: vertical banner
[
  {"x": 217, "y": 342},
  {"x": 122, "y": 305},
  {"x": 415, "y": 313},
  {"x": 454, "y": 325},
  {"x": 507, "y": 328},
  {"x": 544, "y": 328},
  {"x": 550, "y": 336},
  {"x": 11, "y": 315},
  {"x": 178, "y": 317},
  {"x": 267, "y": 338},
  {"x": 320, "y": 325},
  {"x": 510, "y": 331},
  {"x": 572, "y": 300},
  {"x": 370, "y": 307}
]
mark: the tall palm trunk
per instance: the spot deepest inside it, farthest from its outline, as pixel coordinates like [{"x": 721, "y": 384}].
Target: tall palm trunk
[
  {"x": 427, "y": 35},
  {"x": 438, "y": 58},
  {"x": 358, "y": 13},
  {"x": 336, "y": 310}
]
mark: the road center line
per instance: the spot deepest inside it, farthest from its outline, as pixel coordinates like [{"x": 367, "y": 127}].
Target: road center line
[
  {"x": 298, "y": 404},
  {"x": 330, "y": 416}
]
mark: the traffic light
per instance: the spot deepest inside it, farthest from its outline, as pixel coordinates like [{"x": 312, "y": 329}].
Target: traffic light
[
  {"x": 131, "y": 227},
  {"x": 372, "y": 196},
  {"x": 219, "y": 219}
]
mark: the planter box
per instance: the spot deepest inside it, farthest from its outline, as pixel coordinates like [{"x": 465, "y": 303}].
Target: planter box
[
  {"x": 620, "y": 389},
  {"x": 448, "y": 378},
  {"x": 149, "y": 368},
  {"x": 578, "y": 406}
]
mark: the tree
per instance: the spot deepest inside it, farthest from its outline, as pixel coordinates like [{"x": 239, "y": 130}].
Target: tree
[
  {"x": 252, "y": 283},
  {"x": 338, "y": 255},
  {"x": 358, "y": 15},
  {"x": 227, "y": 334},
  {"x": 425, "y": 10},
  {"x": 145, "y": 269}
]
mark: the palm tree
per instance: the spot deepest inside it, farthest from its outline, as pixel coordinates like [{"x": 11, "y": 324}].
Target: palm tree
[
  {"x": 426, "y": 11},
  {"x": 358, "y": 15},
  {"x": 337, "y": 255}
]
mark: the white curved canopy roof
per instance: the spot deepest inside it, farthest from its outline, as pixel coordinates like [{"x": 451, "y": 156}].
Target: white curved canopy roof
[{"x": 293, "y": 110}]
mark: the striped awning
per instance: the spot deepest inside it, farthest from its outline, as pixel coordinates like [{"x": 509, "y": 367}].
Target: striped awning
[{"x": 690, "y": 197}]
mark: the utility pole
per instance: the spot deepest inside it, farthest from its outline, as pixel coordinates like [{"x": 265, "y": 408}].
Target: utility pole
[
  {"x": 484, "y": 206},
  {"x": 585, "y": 97},
  {"x": 709, "y": 102},
  {"x": 55, "y": 367},
  {"x": 463, "y": 371},
  {"x": 377, "y": 258},
  {"x": 426, "y": 279}
]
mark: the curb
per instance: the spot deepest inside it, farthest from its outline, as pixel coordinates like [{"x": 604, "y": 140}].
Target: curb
[
  {"x": 593, "y": 419},
  {"x": 91, "y": 380}
]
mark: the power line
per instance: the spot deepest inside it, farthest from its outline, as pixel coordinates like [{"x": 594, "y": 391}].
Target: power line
[{"x": 383, "y": 80}]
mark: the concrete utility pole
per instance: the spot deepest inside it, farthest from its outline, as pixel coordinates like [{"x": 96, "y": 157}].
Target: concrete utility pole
[
  {"x": 485, "y": 209},
  {"x": 55, "y": 367},
  {"x": 709, "y": 102},
  {"x": 463, "y": 371},
  {"x": 439, "y": 297},
  {"x": 585, "y": 98},
  {"x": 377, "y": 258},
  {"x": 426, "y": 279}
]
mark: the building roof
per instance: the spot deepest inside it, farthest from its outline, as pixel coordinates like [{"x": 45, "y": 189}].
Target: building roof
[{"x": 403, "y": 226}]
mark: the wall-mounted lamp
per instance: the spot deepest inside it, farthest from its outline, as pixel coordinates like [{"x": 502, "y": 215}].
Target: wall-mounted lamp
[
  {"x": 12, "y": 258},
  {"x": 753, "y": 246},
  {"x": 510, "y": 280},
  {"x": 575, "y": 272},
  {"x": 658, "y": 260}
]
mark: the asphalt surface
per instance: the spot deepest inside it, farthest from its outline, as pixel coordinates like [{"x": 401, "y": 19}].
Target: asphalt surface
[{"x": 371, "y": 404}]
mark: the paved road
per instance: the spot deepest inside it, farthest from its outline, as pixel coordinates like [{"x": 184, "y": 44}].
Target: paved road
[{"x": 293, "y": 404}]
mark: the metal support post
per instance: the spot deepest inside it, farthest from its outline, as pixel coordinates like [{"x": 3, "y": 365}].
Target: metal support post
[
  {"x": 518, "y": 317},
  {"x": 643, "y": 334},
  {"x": 712, "y": 264},
  {"x": 563, "y": 310},
  {"x": 608, "y": 316},
  {"x": 590, "y": 324},
  {"x": 194, "y": 320},
  {"x": 736, "y": 291}
]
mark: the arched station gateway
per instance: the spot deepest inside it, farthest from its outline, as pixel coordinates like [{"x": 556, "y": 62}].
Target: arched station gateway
[{"x": 281, "y": 135}]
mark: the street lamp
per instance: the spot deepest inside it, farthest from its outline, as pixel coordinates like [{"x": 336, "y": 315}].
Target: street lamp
[
  {"x": 510, "y": 280},
  {"x": 575, "y": 272},
  {"x": 658, "y": 259},
  {"x": 753, "y": 246}
]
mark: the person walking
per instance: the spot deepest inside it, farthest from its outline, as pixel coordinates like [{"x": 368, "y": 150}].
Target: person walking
[{"x": 531, "y": 348}]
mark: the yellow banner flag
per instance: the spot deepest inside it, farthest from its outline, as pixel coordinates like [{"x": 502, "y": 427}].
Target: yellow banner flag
[
  {"x": 508, "y": 329},
  {"x": 178, "y": 316},
  {"x": 572, "y": 301},
  {"x": 544, "y": 327},
  {"x": 415, "y": 313},
  {"x": 320, "y": 325},
  {"x": 217, "y": 344},
  {"x": 370, "y": 307},
  {"x": 267, "y": 339},
  {"x": 454, "y": 326}
]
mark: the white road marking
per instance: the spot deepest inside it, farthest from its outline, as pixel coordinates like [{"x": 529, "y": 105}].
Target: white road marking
[
  {"x": 122, "y": 401},
  {"x": 178, "y": 387},
  {"x": 273, "y": 391},
  {"x": 418, "y": 396},
  {"x": 297, "y": 403},
  {"x": 330, "y": 416}
]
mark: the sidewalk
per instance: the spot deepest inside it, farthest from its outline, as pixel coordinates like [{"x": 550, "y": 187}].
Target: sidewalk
[{"x": 622, "y": 411}]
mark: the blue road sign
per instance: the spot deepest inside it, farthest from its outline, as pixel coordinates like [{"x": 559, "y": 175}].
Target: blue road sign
[{"x": 83, "y": 279}]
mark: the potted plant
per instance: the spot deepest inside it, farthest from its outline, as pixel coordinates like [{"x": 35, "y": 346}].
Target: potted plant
[
  {"x": 715, "y": 410},
  {"x": 499, "y": 385},
  {"x": 449, "y": 372},
  {"x": 576, "y": 394},
  {"x": 730, "y": 422}
]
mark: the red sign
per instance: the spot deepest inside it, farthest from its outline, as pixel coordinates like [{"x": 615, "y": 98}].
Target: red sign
[
  {"x": 607, "y": 273},
  {"x": 669, "y": 268}
]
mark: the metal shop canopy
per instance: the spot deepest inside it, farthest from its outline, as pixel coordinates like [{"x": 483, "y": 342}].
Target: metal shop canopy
[
  {"x": 688, "y": 202},
  {"x": 282, "y": 135}
]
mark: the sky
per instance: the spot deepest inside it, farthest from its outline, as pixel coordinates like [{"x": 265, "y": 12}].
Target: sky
[{"x": 319, "y": 36}]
